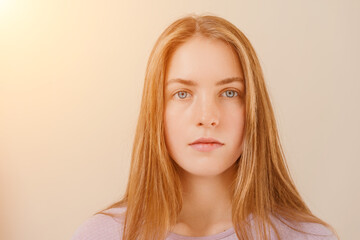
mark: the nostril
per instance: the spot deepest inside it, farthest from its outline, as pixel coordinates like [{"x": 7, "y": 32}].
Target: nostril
[{"x": 213, "y": 123}]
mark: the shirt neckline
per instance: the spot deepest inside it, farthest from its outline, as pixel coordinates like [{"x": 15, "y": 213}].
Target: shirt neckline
[{"x": 221, "y": 235}]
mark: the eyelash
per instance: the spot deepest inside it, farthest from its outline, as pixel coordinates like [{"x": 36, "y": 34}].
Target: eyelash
[{"x": 230, "y": 90}]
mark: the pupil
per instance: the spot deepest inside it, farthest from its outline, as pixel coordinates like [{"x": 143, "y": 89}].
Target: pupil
[
  {"x": 183, "y": 94},
  {"x": 231, "y": 93}
]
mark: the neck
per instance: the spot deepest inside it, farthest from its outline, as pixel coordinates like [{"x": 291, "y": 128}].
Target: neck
[{"x": 207, "y": 199}]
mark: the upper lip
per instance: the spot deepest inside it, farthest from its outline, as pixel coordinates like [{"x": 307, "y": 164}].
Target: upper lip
[{"x": 206, "y": 140}]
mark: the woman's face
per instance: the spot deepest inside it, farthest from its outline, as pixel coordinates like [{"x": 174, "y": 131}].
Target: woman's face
[{"x": 204, "y": 98}]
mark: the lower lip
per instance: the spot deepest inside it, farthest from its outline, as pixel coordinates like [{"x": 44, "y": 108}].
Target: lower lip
[{"x": 206, "y": 147}]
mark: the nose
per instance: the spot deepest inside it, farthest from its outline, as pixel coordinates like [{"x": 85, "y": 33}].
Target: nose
[{"x": 208, "y": 115}]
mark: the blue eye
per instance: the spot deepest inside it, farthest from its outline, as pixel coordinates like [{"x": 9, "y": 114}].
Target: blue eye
[
  {"x": 229, "y": 94},
  {"x": 181, "y": 94},
  {"x": 232, "y": 93}
]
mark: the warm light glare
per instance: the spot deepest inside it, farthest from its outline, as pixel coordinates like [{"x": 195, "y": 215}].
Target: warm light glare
[
  {"x": 6, "y": 7},
  {"x": 4, "y": 4}
]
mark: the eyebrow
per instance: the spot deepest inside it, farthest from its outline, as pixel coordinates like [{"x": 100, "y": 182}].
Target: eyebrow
[{"x": 192, "y": 83}]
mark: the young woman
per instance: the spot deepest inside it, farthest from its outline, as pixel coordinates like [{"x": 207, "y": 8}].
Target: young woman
[{"x": 207, "y": 161}]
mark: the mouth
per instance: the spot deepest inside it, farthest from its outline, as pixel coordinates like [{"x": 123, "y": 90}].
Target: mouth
[
  {"x": 206, "y": 144},
  {"x": 206, "y": 147}
]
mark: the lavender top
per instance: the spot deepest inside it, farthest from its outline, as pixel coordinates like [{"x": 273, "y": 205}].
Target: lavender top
[{"x": 104, "y": 227}]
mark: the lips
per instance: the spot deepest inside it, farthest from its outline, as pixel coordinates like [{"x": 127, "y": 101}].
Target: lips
[
  {"x": 206, "y": 140},
  {"x": 206, "y": 144}
]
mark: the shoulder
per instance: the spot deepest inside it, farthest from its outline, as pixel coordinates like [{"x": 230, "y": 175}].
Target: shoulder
[
  {"x": 309, "y": 231},
  {"x": 101, "y": 226}
]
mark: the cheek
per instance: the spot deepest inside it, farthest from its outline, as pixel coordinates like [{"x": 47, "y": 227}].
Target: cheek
[
  {"x": 233, "y": 112},
  {"x": 172, "y": 118},
  {"x": 234, "y": 121},
  {"x": 173, "y": 125}
]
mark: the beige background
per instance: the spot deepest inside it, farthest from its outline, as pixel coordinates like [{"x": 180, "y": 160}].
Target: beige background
[{"x": 71, "y": 78}]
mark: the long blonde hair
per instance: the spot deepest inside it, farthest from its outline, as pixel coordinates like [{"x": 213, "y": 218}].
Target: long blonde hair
[{"x": 262, "y": 187}]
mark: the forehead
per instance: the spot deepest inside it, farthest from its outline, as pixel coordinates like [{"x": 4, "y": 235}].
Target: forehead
[{"x": 202, "y": 58}]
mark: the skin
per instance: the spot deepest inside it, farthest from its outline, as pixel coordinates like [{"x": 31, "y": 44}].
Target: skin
[{"x": 204, "y": 110}]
